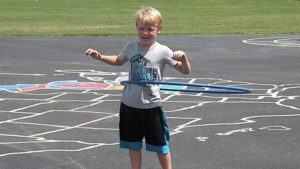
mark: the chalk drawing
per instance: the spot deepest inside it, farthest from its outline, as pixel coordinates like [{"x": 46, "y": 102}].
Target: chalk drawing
[{"x": 81, "y": 114}]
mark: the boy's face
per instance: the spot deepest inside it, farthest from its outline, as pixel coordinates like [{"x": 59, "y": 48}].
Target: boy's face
[{"x": 146, "y": 34}]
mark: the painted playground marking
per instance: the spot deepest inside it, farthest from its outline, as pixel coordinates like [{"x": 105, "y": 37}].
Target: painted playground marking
[
  {"x": 81, "y": 114},
  {"x": 289, "y": 41}
]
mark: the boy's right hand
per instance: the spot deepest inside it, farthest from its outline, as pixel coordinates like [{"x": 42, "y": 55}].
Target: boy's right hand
[{"x": 93, "y": 53}]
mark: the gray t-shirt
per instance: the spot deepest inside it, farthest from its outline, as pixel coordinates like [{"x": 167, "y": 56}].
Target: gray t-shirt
[{"x": 145, "y": 64}]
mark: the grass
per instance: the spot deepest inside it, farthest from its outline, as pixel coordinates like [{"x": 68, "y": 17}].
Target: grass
[{"x": 116, "y": 17}]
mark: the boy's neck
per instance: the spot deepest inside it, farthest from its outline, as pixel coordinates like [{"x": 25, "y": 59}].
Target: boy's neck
[{"x": 150, "y": 45}]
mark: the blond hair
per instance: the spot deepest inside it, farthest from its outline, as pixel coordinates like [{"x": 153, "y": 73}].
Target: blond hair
[{"x": 149, "y": 16}]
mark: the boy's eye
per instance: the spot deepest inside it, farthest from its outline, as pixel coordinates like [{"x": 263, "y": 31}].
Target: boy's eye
[{"x": 149, "y": 29}]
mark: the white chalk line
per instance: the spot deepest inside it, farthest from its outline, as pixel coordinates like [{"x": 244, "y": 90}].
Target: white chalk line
[
  {"x": 274, "y": 41},
  {"x": 261, "y": 92}
]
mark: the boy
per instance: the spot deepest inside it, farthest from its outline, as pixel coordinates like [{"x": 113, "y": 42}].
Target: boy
[{"x": 141, "y": 114}]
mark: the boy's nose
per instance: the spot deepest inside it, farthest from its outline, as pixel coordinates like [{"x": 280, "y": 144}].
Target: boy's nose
[{"x": 145, "y": 32}]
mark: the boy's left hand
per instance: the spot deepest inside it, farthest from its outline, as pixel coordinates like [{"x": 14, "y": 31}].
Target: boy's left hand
[
  {"x": 179, "y": 56},
  {"x": 183, "y": 64}
]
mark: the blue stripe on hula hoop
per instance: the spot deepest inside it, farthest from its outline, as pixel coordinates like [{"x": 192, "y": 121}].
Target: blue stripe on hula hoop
[{"x": 221, "y": 89}]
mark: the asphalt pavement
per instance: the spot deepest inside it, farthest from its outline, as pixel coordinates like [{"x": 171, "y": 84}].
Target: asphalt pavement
[{"x": 59, "y": 108}]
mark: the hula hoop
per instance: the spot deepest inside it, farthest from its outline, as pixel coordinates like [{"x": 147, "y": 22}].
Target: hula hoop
[{"x": 220, "y": 88}]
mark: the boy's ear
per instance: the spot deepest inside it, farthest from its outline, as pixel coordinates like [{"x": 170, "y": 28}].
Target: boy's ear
[{"x": 159, "y": 29}]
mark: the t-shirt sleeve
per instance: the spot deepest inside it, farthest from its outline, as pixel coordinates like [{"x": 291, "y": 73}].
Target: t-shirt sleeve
[
  {"x": 168, "y": 57},
  {"x": 123, "y": 55}
]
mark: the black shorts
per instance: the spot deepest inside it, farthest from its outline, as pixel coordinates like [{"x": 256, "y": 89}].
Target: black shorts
[{"x": 149, "y": 124}]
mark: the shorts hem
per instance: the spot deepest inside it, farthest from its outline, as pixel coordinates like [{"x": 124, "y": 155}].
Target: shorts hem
[
  {"x": 158, "y": 149},
  {"x": 131, "y": 145}
]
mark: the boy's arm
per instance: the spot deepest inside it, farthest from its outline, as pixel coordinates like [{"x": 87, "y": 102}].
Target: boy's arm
[
  {"x": 112, "y": 59},
  {"x": 183, "y": 65}
]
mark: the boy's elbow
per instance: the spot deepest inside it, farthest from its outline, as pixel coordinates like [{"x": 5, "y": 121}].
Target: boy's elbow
[
  {"x": 183, "y": 69},
  {"x": 186, "y": 72},
  {"x": 118, "y": 62}
]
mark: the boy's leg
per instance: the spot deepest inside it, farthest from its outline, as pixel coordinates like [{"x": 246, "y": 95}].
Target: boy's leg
[
  {"x": 136, "y": 159},
  {"x": 157, "y": 136},
  {"x": 131, "y": 134},
  {"x": 165, "y": 160}
]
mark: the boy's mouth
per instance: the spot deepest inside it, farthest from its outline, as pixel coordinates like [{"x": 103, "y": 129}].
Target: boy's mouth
[{"x": 146, "y": 37}]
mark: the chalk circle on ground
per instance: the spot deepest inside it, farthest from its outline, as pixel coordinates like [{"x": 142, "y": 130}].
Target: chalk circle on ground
[
  {"x": 287, "y": 41},
  {"x": 196, "y": 87}
]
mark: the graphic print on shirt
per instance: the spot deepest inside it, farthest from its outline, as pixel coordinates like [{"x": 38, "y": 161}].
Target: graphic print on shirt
[{"x": 139, "y": 70}]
